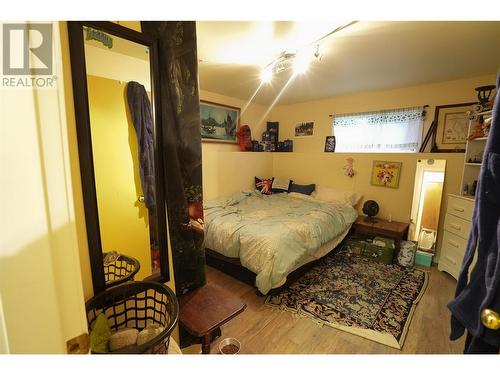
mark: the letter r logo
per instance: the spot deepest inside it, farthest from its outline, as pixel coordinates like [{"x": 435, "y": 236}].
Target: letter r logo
[{"x": 27, "y": 49}]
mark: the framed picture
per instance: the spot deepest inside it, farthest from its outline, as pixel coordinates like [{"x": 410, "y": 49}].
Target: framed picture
[
  {"x": 330, "y": 143},
  {"x": 452, "y": 127},
  {"x": 386, "y": 173},
  {"x": 219, "y": 123},
  {"x": 304, "y": 129}
]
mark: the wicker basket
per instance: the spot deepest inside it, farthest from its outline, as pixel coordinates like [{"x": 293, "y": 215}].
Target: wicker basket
[
  {"x": 121, "y": 270},
  {"x": 133, "y": 305}
]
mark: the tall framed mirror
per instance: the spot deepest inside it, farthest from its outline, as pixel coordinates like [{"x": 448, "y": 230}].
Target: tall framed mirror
[{"x": 114, "y": 72}]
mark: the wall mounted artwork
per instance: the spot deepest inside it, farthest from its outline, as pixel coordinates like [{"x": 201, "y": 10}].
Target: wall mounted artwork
[
  {"x": 386, "y": 173},
  {"x": 304, "y": 129},
  {"x": 219, "y": 123}
]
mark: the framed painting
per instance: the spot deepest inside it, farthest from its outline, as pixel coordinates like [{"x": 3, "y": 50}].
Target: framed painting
[
  {"x": 386, "y": 173},
  {"x": 304, "y": 129},
  {"x": 452, "y": 127},
  {"x": 219, "y": 123}
]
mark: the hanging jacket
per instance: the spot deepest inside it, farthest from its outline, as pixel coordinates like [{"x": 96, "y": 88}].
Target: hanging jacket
[
  {"x": 142, "y": 118},
  {"x": 483, "y": 289}
]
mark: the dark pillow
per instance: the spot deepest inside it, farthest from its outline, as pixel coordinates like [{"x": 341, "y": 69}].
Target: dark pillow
[
  {"x": 264, "y": 185},
  {"x": 280, "y": 186},
  {"x": 302, "y": 189}
]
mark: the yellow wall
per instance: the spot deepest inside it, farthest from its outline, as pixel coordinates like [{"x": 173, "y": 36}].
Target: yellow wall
[
  {"x": 124, "y": 222},
  {"x": 440, "y": 93}
]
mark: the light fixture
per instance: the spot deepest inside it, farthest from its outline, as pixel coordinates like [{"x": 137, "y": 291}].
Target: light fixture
[
  {"x": 301, "y": 63},
  {"x": 298, "y": 60},
  {"x": 266, "y": 75}
]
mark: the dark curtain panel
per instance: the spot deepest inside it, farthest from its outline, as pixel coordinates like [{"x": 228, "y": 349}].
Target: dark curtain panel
[{"x": 181, "y": 144}]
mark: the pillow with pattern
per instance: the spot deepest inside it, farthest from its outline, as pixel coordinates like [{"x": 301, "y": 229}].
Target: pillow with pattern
[
  {"x": 280, "y": 185},
  {"x": 302, "y": 189},
  {"x": 264, "y": 185}
]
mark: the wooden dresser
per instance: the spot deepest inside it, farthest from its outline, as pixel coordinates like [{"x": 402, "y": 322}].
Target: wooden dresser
[{"x": 457, "y": 225}]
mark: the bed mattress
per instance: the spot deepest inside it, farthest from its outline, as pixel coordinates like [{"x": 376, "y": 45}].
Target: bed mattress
[{"x": 272, "y": 235}]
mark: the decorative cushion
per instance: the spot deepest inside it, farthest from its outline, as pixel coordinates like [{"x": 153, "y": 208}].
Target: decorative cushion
[
  {"x": 264, "y": 185},
  {"x": 302, "y": 189},
  {"x": 280, "y": 185},
  {"x": 329, "y": 194}
]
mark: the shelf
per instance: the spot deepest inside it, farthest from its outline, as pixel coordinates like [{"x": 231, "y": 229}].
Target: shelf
[{"x": 474, "y": 164}]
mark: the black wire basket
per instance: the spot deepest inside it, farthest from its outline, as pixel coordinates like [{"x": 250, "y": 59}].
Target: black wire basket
[
  {"x": 134, "y": 305},
  {"x": 123, "y": 269}
]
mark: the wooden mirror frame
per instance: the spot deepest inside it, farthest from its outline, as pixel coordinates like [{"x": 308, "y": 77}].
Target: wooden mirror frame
[{"x": 82, "y": 115}]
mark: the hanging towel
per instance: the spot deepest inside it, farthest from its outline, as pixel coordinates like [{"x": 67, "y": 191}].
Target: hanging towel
[
  {"x": 482, "y": 291},
  {"x": 142, "y": 118}
]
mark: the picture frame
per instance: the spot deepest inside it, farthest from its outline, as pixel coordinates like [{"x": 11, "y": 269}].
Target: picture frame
[
  {"x": 304, "y": 129},
  {"x": 330, "y": 143},
  {"x": 386, "y": 173},
  {"x": 452, "y": 127},
  {"x": 219, "y": 122}
]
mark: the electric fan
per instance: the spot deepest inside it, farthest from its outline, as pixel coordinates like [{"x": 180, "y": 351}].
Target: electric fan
[{"x": 370, "y": 209}]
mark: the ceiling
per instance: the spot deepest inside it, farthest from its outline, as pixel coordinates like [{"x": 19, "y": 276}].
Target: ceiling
[{"x": 363, "y": 57}]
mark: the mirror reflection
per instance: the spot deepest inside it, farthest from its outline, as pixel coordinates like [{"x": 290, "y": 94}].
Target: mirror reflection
[
  {"x": 427, "y": 196},
  {"x": 122, "y": 133}
]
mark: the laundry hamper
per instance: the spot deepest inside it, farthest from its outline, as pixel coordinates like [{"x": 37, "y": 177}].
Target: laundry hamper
[
  {"x": 134, "y": 305},
  {"x": 120, "y": 270}
]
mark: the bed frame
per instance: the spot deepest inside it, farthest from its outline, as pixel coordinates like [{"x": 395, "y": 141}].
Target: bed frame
[{"x": 233, "y": 267}]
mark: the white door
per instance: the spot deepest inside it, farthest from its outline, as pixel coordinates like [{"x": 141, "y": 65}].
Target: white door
[{"x": 41, "y": 297}]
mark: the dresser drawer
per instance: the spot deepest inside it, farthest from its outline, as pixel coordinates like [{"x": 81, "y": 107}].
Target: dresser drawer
[
  {"x": 452, "y": 253},
  {"x": 460, "y": 207},
  {"x": 457, "y": 225}
]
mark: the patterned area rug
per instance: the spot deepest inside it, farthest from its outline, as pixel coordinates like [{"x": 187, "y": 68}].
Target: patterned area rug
[{"x": 358, "y": 295}]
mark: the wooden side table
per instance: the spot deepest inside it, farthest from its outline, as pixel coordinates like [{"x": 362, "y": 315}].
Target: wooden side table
[
  {"x": 205, "y": 310},
  {"x": 394, "y": 229}
]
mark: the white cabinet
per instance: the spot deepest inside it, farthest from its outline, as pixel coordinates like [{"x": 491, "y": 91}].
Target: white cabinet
[
  {"x": 476, "y": 141},
  {"x": 457, "y": 224}
]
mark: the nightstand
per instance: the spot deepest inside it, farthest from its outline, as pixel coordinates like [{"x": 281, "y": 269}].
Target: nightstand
[{"x": 391, "y": 229}]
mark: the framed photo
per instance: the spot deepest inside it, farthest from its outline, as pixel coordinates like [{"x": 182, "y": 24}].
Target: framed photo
[
  {"x": 219, "y": 123},
  {"x": 452, "y": 127},
  {"x": 386, "y": 173},
  {"x": 304, "y": 129},
  {"x": 330, "y": 143}
]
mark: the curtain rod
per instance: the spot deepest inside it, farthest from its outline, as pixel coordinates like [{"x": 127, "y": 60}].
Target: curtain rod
[{"x": 385, "y": 110}]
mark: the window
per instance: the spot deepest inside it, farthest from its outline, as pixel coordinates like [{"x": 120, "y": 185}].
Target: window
[{"x": 396, "y": 130}]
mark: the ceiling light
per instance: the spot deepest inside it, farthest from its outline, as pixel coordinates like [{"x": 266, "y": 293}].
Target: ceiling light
[
  {"x": 266, "y": 75},
  {"x": 317, "y": 54},
  {"x": 301, "y": 63}
]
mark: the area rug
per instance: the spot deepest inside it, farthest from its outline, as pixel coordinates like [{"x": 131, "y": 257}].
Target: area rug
[{"x": 358, "y": 295}]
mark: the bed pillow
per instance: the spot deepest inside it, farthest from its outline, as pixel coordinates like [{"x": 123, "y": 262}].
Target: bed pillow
[
  {"x": 280, "y": 185},
  {"x": 264, "y": 185},
  {"x": 302, "y": 189},
  {"x": 329, "y": 194}
]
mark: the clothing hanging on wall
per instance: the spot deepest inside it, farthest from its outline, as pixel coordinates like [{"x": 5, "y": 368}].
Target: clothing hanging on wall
[
  {"x": 181, "y": 148},
  {"x": 482, "y": 291},
  {"x": 142, "y": 118}
]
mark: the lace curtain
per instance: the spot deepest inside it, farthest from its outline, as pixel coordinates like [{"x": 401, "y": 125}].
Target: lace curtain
[{"x": 397, "y": 130}]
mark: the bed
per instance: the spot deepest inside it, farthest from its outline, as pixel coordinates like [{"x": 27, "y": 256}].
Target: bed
[{"x": 272, "y": 236}]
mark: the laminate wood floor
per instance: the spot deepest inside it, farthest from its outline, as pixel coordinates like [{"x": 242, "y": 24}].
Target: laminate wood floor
[{"x": 263, "y": 330}]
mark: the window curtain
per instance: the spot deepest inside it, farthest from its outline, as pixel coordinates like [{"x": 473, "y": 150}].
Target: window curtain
[{"x": 397, "y": 130}]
